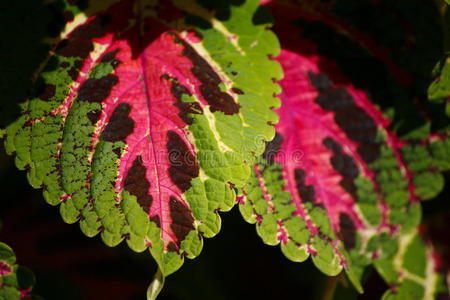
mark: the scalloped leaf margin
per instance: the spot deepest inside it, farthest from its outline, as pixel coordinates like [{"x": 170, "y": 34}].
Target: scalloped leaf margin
[
  {"x": 146, "y": 118},
  {"x": 337, "y": 184},
  {"x": 317, "y": 194}
]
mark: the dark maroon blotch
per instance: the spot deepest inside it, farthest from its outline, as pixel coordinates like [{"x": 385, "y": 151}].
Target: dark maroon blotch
[
  {"x": 73, "y": 73},
  {"x": 185, "y": 108},
  {"x": 210, "y": 90},
  {"x": 97, "y": 90},
  {"x": 156, "y": 220},
  {"x": 117, "y": 152},
  {"x": 357, "y": 124},
  {"x": 237, "y": 91},
  {"x": 48, "y": 92},
  {"x": 183, "y": 165},
  {"x": 109, "y": 56},
  {"x": 349, "y": 185},
  {"x": 182, "y": 220},
  {"x": 79, "y": 43},
  {"x": 120, "y": 125},
  {"x": 335, "y": 99},
  {"x": 65, "y": 64},
  {"x": 348, "y": 231},
  {"x": 171, "y": 247},
  {"x": 272, "y": 148},
  {"x": 136, "y": 184},
  {"x": 94, "y": 116},
  {"x": 78, "y": 64},
  {"x": 300, "y": 176},
  {"x": 345, "y": 165},
  {"x": 115, "y": 63},
  {"x": 307, "y": 193},
  {"x": 369, "y": 152},
  {"x": 332, "y": 145},
  {"x": 319, "y": 81}
]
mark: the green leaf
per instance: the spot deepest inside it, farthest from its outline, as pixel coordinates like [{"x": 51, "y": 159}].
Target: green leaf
[{"x": 439, "y": 89}]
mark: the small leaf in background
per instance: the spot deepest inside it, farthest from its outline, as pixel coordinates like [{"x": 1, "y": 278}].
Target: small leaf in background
[
  {"x": 16, "y": 282},
  {"x": 147, "y": 116},
  {"x": 439, "y": 90}
]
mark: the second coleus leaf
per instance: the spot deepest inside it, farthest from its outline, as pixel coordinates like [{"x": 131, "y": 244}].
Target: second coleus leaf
[
  {"x": 147, "y": 116},
  {"x": 337, "y": 183},
  {"x": 334, "y": 184}
]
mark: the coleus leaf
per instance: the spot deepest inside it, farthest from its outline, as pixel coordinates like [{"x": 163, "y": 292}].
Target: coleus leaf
[
  {"x": 146, "y": 118},
  {"x": 16, "y": 282},
  {"x": 333, "y": 184},
  {"x": 418, "y": 255},
  {"x": 439, "y": 90},
  {"x": 337, "y": 183}
]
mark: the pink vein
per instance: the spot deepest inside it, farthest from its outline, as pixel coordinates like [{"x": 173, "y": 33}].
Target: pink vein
[
  {"x": 297, "y": 201},
  {"x": 149, "y": 106},
  {"x": 263, "y": 188},
  {"x": 391, "y": 139}
]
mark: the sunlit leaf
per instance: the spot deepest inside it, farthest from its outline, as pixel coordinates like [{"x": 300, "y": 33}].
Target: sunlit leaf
[{"x": 147, "y": 116}]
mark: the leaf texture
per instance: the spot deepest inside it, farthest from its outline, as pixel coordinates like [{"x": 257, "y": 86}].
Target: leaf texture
[
  {"x": 337, "y": 183},
  {"x": 146, "y": 118}
]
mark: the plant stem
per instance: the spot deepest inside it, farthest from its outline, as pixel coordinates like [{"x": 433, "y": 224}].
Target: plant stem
[
  {"x": 330, "y": 287},
  {"x": 156, "y": 286}
]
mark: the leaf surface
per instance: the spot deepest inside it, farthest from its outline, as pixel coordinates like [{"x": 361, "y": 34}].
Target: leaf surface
[
  {"x": 146, "y": 117},
  {"x": 337, "y": 183}
]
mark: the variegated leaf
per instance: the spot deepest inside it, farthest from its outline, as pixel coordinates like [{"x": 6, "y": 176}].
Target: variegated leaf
[
  {"x": 439, "y": 89},
  {"x": 337, "y": 183},
  {"x": 146, "y": 117}
]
